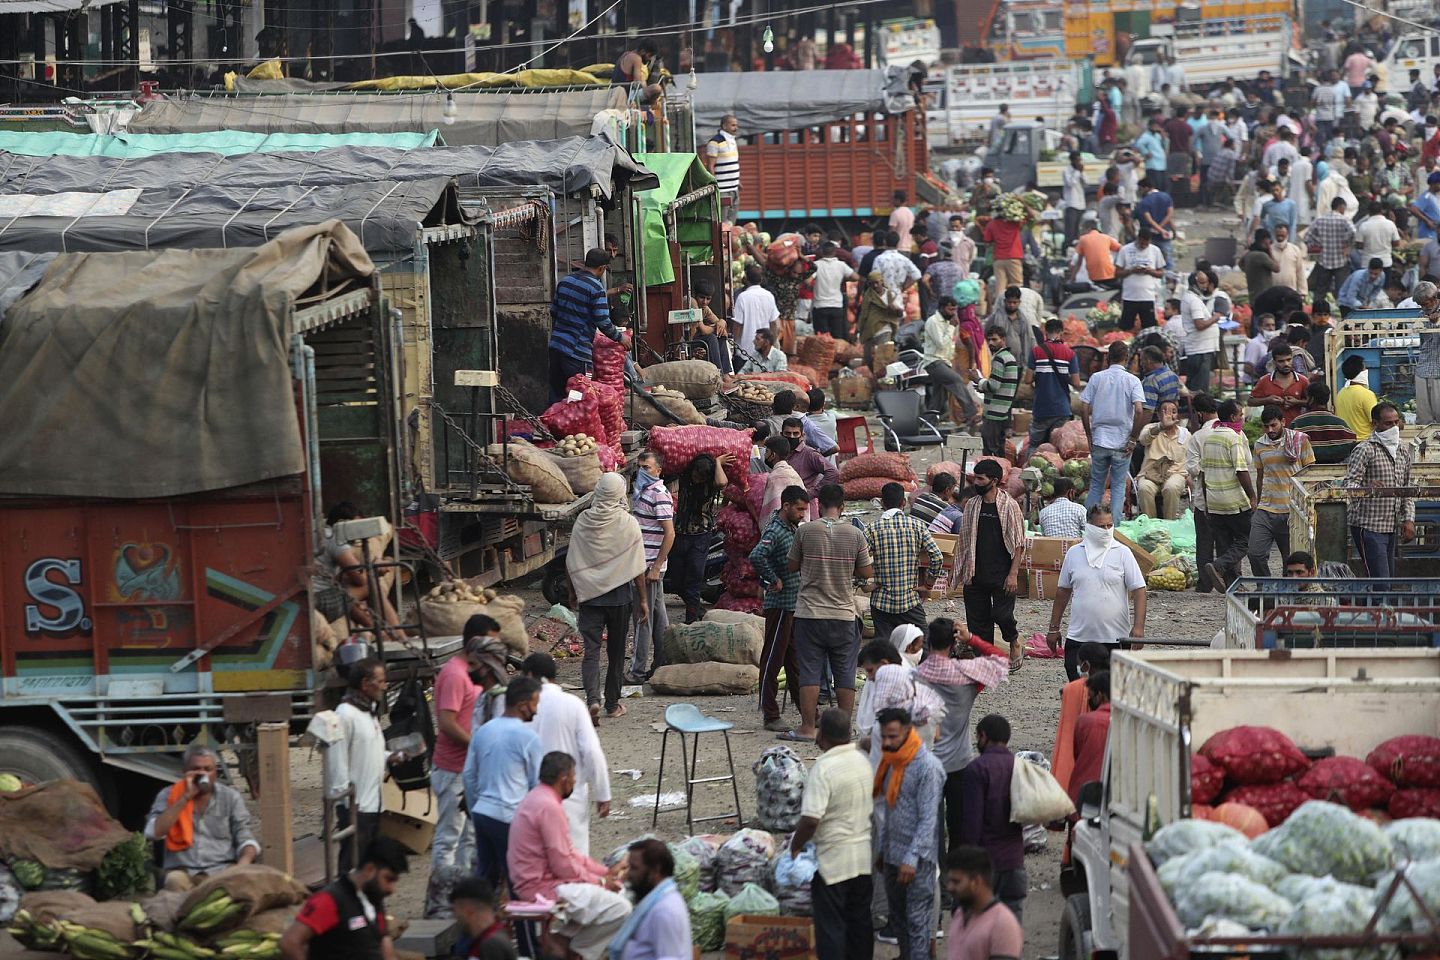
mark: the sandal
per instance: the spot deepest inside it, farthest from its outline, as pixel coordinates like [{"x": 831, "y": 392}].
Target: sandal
[
  {"x": 595, "y": 714},
  {"x": 617, "y": 713}
]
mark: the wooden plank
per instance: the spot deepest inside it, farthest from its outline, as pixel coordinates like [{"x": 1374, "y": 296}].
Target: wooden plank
[{"x": 277, "y": 813}]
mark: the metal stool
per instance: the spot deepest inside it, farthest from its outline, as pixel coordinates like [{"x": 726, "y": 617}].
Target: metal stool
[{"x": 686, "y": 718}]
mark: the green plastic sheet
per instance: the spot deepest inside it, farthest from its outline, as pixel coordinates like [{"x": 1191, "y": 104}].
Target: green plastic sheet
[
  {"x": 125, "y": 146},
  {"x": 679, "y": 173}
]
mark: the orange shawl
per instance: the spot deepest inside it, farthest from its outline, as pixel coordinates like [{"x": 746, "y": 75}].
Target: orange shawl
[
  {"x": 181, "y": 835},
  {"x": 897, "y": 761},
  {"x": 1073, "y": 702}
]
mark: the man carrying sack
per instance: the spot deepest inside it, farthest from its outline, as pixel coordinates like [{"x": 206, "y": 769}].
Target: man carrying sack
[{"x": 204, "y": 823}]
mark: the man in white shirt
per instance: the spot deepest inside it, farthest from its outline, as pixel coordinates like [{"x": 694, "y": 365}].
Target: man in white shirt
[
  {"x": 1301, "y": 172},
  {"x": 831, "y": 274},
  {"x": 358, "y": 755},
  {"x": 563, "y": 723},
  {"x": 1377, "y": 236},
  {"x": 1201, "y": 313},
  {"x": 1139, "y": 267},
  {"x": 1282, "y": 149},
  {"x": 1072, "y": 195},
  {"x": 1294, "y": 265},
  {"x": 1112, "y": 414},
  {"x": 755, "y": 308},
  {"x": 1106, "y": 583}
]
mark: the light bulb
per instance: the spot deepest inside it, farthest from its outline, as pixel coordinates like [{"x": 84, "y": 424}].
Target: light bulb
[
  {"x": 450, "y": 110},
  {"x": 768, "y": 40},
  {"x": 694, "y": 81}
]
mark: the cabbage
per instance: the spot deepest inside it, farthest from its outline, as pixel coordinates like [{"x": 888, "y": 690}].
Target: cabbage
[
  {"x": 687, "y": 871},
  {"x": 1340, "y": 909},
  {"x": 1416, "y": 838},
  {"x": 1229, "y": 896},
  {"x": 1186, "y": 836},
  {"x": 1402, "y": 913},
  {"x": 1181, "y": 872},
  {"x": 752, "y": 900},
  {"x": 1327, "y": 839}
]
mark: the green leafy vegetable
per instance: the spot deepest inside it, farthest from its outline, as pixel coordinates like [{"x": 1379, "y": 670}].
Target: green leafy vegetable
[{"x": 125, "y": 871}]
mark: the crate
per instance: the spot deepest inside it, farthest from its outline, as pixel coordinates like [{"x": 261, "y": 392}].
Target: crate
[{"x": 1269, "y": 614}]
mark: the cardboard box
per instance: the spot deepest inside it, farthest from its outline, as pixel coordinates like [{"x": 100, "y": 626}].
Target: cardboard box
[
  {"x": 1046, "y": 553},
  {"x": 408, "y": 816},
  {"x": 1142, "y": 556},
  {"x": 749, "y": 937},
  {"x": 1042, "y": 584},
  {"x": 1020, "y": 422}
]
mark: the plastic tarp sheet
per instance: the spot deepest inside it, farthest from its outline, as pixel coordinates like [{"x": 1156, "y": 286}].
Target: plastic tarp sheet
[
  {"x": 175, "y": 364},
  {"x": 788, "y": 99},
  {"x": 19, "y": 272},
  {"x": 224, "y": 142},
  {"x": 679, "y": 173},
  {"x": 488, "y": 118}
]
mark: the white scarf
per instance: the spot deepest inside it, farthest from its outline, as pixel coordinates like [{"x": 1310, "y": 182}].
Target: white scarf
[
  {"x": 1389, "y": 439},
  {"x": 1098, "y": 544},
  {"x": 606, "y": 548}
]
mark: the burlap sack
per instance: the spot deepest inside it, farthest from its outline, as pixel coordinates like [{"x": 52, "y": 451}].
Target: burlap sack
[
  {"x": 272, "y": 921},
  {"x": 258, "y": 887},
  {"x": 60, "y": 823},
  {"x": 536, "y": 468},
  {"x": 47, "y": 905},
  {"x": 643, "y": 414},
  {"x": 696, "y": 379},
  {"x": 737, "y": 616},
  {"x": 582, "y": 473},
  {"x": 705, "y": 679},
  {"x": 443, "y": 619},
  {"x": 162, "y": 907},
  {"x": 707, "y": 641}
]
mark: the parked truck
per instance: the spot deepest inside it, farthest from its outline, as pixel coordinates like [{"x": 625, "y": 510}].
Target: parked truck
[
  {"x": 960, "y": 100},
  {"x": 1212, "y": 51},
  {"x": 1165, "y": 705}
]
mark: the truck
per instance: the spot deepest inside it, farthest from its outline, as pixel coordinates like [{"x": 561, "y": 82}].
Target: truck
[
  {"x": 1212, "y": 51},
  {"x": 1023, "y": 158},
  {"x": 1286, "y": 614},
  {"x": 961, "y": 99},
  {"x": 1165, "y": 705}
]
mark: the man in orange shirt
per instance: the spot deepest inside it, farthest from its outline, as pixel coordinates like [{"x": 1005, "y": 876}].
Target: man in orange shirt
[
  {"x": 1091, "y": 731},
  {"x": 1097, "y": 251}
]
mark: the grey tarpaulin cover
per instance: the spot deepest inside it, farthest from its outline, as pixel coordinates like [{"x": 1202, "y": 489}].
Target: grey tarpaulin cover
[
  {"x": 19, "y": 271},
  {"x": 788, "y": 99},
  {"x": 174, "y": 365},
  {"x": 485, "y": 118}
]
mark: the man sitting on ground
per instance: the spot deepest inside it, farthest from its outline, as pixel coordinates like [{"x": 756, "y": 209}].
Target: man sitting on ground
[
  {"x": 203, "y": 822},
  {"x": 473, "y": 902}
]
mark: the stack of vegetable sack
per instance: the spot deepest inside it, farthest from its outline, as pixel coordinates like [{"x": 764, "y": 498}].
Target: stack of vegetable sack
[{"x": 865, "y": 475}]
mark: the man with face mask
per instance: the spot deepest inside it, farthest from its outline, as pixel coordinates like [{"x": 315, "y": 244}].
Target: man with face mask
[
  {"x": 908, "y": 786},
  {"x": 1427, "y": 370},
  {"x": 985, "y": 811},
  {"x": 988, "y": 557},
  {"x": 814, "y": 470},
  {"x": 770, "y": 559},
  {"x": 1376, "y": 522},
  {"x": 1106, "y": 583},
  {"x": 982, "y": 929},
  {"x": 1257, "y": 348},
  {"x": 1091, "y": 731},
  {"x": 458, "y": 686},
  {"x": 897, "y": 542},
  {"x": 501, "y": 765},
  {"x": 659, "y": 926},
  {"x": 346, "y": 920}
]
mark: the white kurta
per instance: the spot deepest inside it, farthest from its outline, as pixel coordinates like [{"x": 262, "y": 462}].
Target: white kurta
[{"x": 563, "y": 723}]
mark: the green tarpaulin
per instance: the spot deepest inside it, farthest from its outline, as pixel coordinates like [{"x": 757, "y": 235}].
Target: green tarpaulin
[
  {"x": 680, "y": 174},
  {"x": 125, "y": 146}
]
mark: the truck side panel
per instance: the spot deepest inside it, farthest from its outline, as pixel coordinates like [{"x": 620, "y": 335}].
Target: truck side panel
[{"x": 96, "y": 592}]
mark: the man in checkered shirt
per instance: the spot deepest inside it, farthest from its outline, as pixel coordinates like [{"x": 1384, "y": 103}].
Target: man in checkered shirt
[
  {"x": 1375, "y": 521},
  {"x": 897, "y": 541},
  {"x": 1334, "y": 234}
]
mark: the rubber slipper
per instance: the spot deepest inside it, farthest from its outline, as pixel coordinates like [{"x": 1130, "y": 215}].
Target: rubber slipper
[{"x": 794, "y": 737}]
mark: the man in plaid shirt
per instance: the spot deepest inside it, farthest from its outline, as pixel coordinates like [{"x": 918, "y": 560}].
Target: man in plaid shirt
[
  {"x": 771, "y": 558},
  {"x": 1334, "y": 234},
  {"x": 1380, "y": 461},
  {"x": 896, "y": 541}
]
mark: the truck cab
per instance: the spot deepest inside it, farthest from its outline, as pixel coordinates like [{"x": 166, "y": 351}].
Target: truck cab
[{"x": 1414, "y": 51}]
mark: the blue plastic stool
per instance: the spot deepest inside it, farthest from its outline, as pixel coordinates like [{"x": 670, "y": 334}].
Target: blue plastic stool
[{"x": 686, "y": 718}]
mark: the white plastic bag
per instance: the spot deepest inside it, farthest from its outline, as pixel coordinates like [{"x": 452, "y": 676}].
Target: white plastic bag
[{"x": 1036, "y": 796}]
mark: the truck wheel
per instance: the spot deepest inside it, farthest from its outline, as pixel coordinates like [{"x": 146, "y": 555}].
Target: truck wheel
[
  {"x": 36, "y": 755},
  {"x": 1075, "y": 928}
]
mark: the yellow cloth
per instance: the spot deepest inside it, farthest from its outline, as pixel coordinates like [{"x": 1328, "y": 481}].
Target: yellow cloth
[
  {"x": 1353, "y": 405},
  {"x": 895, "y": 761},
  {"x": 837, "y": 794}
]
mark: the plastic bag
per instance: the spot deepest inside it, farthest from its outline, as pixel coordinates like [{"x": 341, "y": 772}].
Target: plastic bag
[
  {"x": 1338, "y": 909},
  {"x": 1181, "y": 532},
  {"x": 687, "y": 871},
  {"x": 791, "y": 880},
  {"x": 1403, "y": 913},
  {"x": 1179, "y": 873},
  {"x": 1036, "y": 796},
  {"x": 744, "y": 858},
  {"x": 703, "y": 848},
  {"x": 1186, "y": 836},
  {"x": 707, "y": 920},
  {"x": 779, "y": 784},
  {"x": 752, "y": 900},
  {"x": 1417, "y": 838},
  {"x": 1230, "y": 896},
  {"x": 1326, "y": 839}
]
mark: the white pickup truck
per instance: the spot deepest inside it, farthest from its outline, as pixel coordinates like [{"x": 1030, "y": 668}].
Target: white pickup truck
[{"x": 1164, "y": 705}]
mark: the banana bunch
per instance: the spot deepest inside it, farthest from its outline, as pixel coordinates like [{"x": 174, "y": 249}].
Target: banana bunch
[
  {"x": 245, "y": 944},
  {"x": 168, "y": 946},
  {"x": 35, "y": 933},
  {"x": 87, "y": 943},
  {"x": 212, "y": 913}
]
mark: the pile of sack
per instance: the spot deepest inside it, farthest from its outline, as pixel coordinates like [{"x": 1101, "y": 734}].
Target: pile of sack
[
  {"x": 863, "y": 476},
  {"x": 446, "y": 608},
  {"x": 717, "y": 655}
]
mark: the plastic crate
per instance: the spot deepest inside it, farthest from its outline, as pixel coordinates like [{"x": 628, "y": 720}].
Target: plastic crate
[{"x": 1382, "y": 330}]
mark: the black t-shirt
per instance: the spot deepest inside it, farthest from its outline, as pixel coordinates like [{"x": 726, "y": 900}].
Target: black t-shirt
[{"x": 992, "y": 561}]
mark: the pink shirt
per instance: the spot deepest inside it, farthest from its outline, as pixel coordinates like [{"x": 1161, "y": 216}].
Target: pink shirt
[
  {"x": 901, "y": 220},
  {"x": 991, "y": 934},
  {"x": 541, "y": 856},
  {"x": 454, "y": 691},
  {"x": 1356, "y": 66}
]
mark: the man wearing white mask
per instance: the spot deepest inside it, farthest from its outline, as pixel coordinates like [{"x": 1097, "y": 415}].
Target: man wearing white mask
[
  {"x": 1376, "y": 522},
  {"x": 1106, "y": 583}
]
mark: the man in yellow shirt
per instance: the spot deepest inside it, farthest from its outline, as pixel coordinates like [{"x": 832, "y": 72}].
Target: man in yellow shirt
[{"x": 1355, "y": 400}]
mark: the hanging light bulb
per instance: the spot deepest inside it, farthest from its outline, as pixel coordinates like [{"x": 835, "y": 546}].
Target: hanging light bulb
[
  {"x": 768, "y": 40},
  {"x": 694, "y": 81},
  {"x": 450, "y": 109}
]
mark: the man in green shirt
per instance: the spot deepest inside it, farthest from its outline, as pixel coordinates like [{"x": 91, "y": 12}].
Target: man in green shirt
[
  {"x": 1229, "y": 495},
  {"x": 999, "y": 390}
]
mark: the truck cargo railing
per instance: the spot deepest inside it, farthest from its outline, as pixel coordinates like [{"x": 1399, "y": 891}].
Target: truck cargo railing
[
  {"x": 1319, "y": 501},
  {"x": 1156, "y": 931},
  {"x": 1268, "y": 613}
]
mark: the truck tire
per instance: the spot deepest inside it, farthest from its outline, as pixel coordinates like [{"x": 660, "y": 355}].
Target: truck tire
[
  {"x": 36, "y": 755},
  {"x": 1075, "y": 928}
]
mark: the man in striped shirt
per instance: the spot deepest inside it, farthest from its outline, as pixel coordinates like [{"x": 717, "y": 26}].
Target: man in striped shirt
[
  {"x": 1229, "y": 496},
  {"x": 722, "y": 159},
  {"x": 999, "y": 390},
  {"x": 654, "y": 510},
  {"x": 579, "y": 309},
  {"x": 1330, "y": 437}
]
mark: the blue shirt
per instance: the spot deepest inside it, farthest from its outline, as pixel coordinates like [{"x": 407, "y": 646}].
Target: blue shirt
[
  {"x": 1111, "y": 395},
  {"x": 1277, "y": 212},
  {"x": 1429, "y": 205},
  {"x": 1160, "y": 384},
  {"x": 1052, "y": 379},
  {"x": 1152, "y": 148},
  {"x": 1358, "y": 288},
  {"x": 1158, "y": 204},
  {"x": 578, "y": 310},
  {"x": 503, "y": 765}
]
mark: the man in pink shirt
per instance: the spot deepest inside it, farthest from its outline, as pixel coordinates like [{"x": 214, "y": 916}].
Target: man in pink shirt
[
  {"x": 541, "y": 856},
  {"x": 457, "y": 687},
  {"x": 902, "y": 218},
  {"x": 983, "y": 928}
]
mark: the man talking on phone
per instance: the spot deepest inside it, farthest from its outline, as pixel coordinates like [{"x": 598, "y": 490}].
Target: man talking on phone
[{"x": 203, "y": 823}]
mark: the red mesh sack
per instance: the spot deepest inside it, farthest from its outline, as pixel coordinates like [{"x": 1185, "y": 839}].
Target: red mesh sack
[
  {"x": 565, "y": 418},
  {"x": 868, "y": 488},
  {"x": 679, "y": 445},
  {"x": 1051, "y": 458},
  {"x": 812, "y": 374},
  {"x": 889, "y": 466},
  {"x": 608, "y": 401},
  {"x": 1206, "y": 780},
  {"x": 817, "y": 352},
  {"x": 1346, "y": 780},
  {"x": 1415, "y": 802},
  {"x": 609, "y": 359},
  {"x": 741, "y": 604},
  {"x": 945, "y": 466},
  {"x": 739, "y": 529},
  {"x": 1410, "y": 761},
  {"x": 845, "y": 351},
  {"x": 610, "y": 457},
  {"x": 795, "y": 380},
  {"x": 783, "y": 251},
  {"x": 1047, "y": 448},
  {"x": 1254, "y": 755},
  {"x": 1014, "y": 484},
  {"x": 1070, "y": 440},
  {"x": 1275, "y": 801}
]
